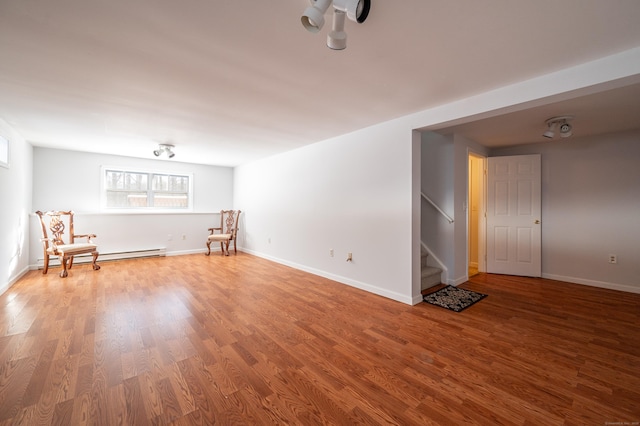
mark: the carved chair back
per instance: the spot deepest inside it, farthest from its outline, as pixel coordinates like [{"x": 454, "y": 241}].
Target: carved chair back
[
  {"x": 229, "y": 222},
  {"x": 53, "y": 227}
]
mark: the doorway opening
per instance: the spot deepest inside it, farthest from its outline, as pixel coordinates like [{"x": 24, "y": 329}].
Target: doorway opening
[{"x": 476, "y": 246}]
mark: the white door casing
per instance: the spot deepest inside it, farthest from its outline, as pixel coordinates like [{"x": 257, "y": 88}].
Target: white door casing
[{"x": 513, "y": 215}]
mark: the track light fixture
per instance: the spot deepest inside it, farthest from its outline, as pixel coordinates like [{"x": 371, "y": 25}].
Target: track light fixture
[
  {"x": 164, "y": 148},
  {"x": 560, "y": 124},
  {"x": 313, "y": 18},
  {"x": 337, "y": 38}
]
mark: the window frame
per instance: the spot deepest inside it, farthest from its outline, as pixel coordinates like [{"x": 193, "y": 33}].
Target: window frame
[{"x": 150, "y": 191}]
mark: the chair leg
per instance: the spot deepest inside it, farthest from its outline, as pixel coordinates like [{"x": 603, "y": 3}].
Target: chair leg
[
  {"x": 235, "y": 248},
  {"x": 46, "y": 264},
  {"x": 64, "y": 272},
  {"x": 70, "y": 262},
  {"x": 226, "y": 251},
  {"x": 208, "y": 248},
  {"x": 95, "y": 258},
  {"x": 222, "y": 248}
]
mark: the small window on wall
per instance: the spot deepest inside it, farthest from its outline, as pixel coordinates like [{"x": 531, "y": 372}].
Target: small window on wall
[
  {"x": 4, "y": 152},
  {"x": 146, "y": 191}
]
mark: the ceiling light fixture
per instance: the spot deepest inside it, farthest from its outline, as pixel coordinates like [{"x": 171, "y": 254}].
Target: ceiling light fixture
[
  {"x": 313, "y": 18},
  {"x": 337, "y": 38},
  {"x": 164, "y": 148},
  {"x": 559, "y": 123}
]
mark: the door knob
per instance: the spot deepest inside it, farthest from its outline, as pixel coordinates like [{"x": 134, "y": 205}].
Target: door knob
[{"x": 537, "y": 222}]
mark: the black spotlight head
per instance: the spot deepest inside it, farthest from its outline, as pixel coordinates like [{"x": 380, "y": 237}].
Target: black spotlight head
[{"x": 363, "y": 10}]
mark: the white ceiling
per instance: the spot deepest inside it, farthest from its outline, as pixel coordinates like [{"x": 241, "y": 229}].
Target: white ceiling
[{"x": 231, "y": 81}]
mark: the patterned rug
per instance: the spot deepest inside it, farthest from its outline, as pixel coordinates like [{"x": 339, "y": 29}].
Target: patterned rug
[{"x": 453, "y": 298}]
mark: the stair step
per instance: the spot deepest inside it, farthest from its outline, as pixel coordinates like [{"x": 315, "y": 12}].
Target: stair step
[
  {"x": 430, "y": 276},
  {"x": 423, "y": 258}
]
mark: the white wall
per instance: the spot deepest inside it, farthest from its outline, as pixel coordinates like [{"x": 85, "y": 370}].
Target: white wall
[
  {"x": 445, "y": 179},
  {"x": 437, "y": 183},
  {"x": 350, "y": 194},
  {"x": 606, "y": 73},
  {"x": 64, "y": 180},
  {"x": 15, "y": 188},
  {"x": 590, "y": 208},
  {"x": 360, "y": 192}
]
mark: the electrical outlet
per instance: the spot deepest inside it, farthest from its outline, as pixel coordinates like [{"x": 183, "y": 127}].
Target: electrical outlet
[
  {"x": 613, "y": 258},
  {"x": 169, "y": 237},
  {"x": 331, "y": 252},
  {"x": 184, "y": 236}
]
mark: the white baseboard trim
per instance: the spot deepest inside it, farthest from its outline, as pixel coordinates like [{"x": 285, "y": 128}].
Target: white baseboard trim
[
  {"x": 456, "y": 282},
  {"x": 417, "y": 299},
  {"x": 116, "y": 255},
  {"x": 343, "y": 280},
  {"x": 194, "y": 251},
  {"x": 14, "y": 279},
  {"x": 55, "y": 262},
  {"x": 593, "y": 283}
]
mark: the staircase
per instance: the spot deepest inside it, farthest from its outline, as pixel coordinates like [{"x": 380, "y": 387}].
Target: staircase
[{"x": 430, "y": 275}]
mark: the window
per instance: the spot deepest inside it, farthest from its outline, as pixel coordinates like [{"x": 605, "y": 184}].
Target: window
[
  {"x": 142, "y": 190},
  {"x": 4, "y": 151}
]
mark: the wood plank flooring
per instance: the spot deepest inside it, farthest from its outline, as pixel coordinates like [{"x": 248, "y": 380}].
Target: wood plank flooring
[{"x": 193, "y": 340}]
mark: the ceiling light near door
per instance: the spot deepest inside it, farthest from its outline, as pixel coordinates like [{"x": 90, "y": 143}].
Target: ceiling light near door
[
  {"x": 313, "y": 18},
  {"x": 560, "y": 124}
]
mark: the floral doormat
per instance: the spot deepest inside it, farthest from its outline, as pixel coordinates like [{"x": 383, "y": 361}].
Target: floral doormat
[{"x": 453, "y": 298}]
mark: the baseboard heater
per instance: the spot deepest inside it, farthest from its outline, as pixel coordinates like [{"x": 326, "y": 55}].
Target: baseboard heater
[{"x": 120, "y": 255}]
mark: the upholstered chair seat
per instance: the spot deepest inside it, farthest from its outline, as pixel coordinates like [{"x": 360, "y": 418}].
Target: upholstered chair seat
[
  {"x": 72, "y": 249},
  {"x": 219, "y": 237}
]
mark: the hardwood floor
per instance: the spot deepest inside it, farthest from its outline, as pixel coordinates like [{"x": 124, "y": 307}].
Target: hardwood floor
[{"x": 240, "y": 340}]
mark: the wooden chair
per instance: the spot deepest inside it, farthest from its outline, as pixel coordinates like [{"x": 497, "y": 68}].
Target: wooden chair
[
  {"x": 228, "y": 224},
  {"x": 53, "y": 222}
]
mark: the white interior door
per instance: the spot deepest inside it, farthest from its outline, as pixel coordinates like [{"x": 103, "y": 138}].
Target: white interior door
[{"x": 513, "y": 215}]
